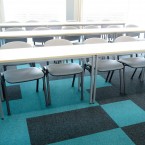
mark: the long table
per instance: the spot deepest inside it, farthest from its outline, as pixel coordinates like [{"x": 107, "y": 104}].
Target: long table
[
  {"x": 49, "y": 24},
  {"x": 9, "y": 56},
  {"x": 70, "y": 32}
]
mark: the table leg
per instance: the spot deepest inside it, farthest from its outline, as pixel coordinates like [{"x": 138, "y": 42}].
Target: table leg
[
  {"x": 95, "y": 76},
  {"x": 1, "y": 109},
  {"x": 92, "y": 80}
]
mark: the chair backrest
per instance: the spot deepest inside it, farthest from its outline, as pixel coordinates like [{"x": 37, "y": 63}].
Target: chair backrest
[
  {"x": 15, "y": 39},
  {"x": 124, "y": 39},
  {"x": 14, "y": 29},
  {"x": 41, "y": 39},
  {"x": 71, "y": 38},
  {"x": 94, "y": 41},
  {"x": 132, "y": 34},
  {"x": 31, "y": 27},
  {"x": 91, "y": 27},
  {"x": 57, "y": 42},
  {"x": 54, "y": 27},
  {"x": 112, "y": 37},
  {"x": 16, "y": 44},
  {"x": 12, "y": 22},
  {"x": 41, "y": 28},
  {"x": 69, "y": 27}
]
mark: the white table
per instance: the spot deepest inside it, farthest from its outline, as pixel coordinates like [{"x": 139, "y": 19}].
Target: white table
[
  {"x": 37, "y": 24},
  {"x": 9, "y": 56},
  {"x": 74, "y": 32}
]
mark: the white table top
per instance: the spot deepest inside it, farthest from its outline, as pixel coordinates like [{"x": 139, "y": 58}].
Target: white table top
[
  {"x": 8, "y": 56},
  {"x": 70, "y": 32},
  {"x": 4, "y": 25}
]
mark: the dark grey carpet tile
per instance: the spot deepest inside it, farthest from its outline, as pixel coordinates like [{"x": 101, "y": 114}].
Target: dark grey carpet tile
[
  {"x": 14, "y": 92},
  {"x": 71, "y": 124},
  {"x": 109, "y": 95},
  {"x": 133, "y": 86},
  {"x": 136, "y": 133},
  {"x": 139, "y": 99}
]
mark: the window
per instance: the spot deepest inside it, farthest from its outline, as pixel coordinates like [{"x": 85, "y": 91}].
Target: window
[
  {"x": 104, "y": 10},
  {"x": 41, "y": 10}
]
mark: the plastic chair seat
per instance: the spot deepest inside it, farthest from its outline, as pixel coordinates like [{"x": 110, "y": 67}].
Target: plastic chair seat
[
  {"x": 64, "y": 69},
  {"x": 135, "y": 62},
  {"x": 108, "y": 65},
  {"x": 23, "y": 75}
]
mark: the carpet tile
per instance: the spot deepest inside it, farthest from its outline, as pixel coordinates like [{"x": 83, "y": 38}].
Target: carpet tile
[
  {"x": 114, "y": 119},
  {"x": 67, "y": 125},
  {"x": 136, "y": 132},
  {"x": 125, "y": 113},
  {"x": 110, "y": 137}
]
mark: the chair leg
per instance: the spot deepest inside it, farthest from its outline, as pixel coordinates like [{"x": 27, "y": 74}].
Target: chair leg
[
  {"x": 73, "y": 80},
  {"x": 140, "y": 74},
  {"x": 5, "y": 94},
  {"x": 82, "y": 86},
  {"x": 111, "y": 76},
  {"x": 48, "y": 90},
  {"x": 4, "y": 67},
  {"x": 45, "y": 91},
  {"x": 37, "y": 85},
  {"x": 124, "y": 91},
  {"x": 133, "y": 73},
  {"x": 107, "y": 76},
  {"x": 120, "y": 81},
  {"x": 32, "y": 64}
]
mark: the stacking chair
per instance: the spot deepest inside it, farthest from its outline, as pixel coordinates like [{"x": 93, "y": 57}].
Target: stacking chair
[
  {"x": 133, "y": 62},
  {"x": 132, "y": 34},
  {"x": 15, "y": 39},
  {"x": 91, "y": 27},
  {"x": 41, "y": 40},
  {"x": 13, "y": 22},
  {"x": 15, "y": 44},
  {"x": 106, "y": 65},
  {"x": 54, "y": 27},
  {"x": 62, "y": 69},
  {"x": 20, "y": 75},
  {"x": 71, "y": 38},
  {"x": 112, "y": 37},
  {"x": 31, "y": 27}
]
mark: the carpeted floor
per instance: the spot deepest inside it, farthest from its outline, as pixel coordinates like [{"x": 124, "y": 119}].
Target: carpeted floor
[{"x": 114, "y": 119}]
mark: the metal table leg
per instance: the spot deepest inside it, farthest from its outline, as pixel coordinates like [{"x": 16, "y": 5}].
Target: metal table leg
[
  {"x": 1, "y": 109},
  {"x": 92, "y": 80},
  {"x": 95, "y": 76}
]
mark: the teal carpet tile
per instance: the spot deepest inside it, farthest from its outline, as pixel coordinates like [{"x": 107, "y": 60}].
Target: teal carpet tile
[{"x": 125, "y": 113}]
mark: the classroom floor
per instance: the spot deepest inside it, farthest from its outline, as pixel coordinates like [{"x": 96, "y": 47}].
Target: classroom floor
[{"x": 114, "y": 119}]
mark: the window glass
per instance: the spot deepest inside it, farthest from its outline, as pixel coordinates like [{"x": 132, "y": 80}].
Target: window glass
[
  {"x": 104, "y": 10},
  {"x": 41, "y": 10}
]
